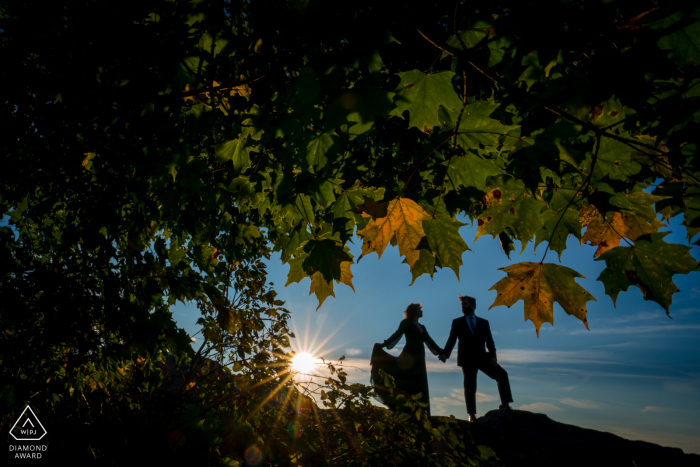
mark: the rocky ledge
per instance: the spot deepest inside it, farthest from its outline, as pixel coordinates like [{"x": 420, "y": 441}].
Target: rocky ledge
[{"x": 521, "y": 438}]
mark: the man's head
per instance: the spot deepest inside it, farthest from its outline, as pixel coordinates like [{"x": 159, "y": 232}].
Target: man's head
[{"x": 468, "y": 304}]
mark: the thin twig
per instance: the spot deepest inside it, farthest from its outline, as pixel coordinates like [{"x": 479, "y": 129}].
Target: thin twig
[
  {"x": 585, "y": 185},
  {"x": 421, "y": 163}
]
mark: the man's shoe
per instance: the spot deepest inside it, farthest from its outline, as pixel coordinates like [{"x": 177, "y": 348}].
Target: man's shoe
[
  {"x": 504, "y": 406},
  {"x": 471, "y": 418}
]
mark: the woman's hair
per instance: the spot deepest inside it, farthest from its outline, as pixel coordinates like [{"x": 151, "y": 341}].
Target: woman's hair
[{"x": 412, "y": 310}]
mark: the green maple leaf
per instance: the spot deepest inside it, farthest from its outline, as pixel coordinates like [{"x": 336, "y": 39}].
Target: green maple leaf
[
  {"x": 204, "y": 258},
  {"x": 539, "y": 285},
  {"x": 469, "y": 170},
  {"x": 476, "y": 128},
  {"x": 442, "y": 233},
  {"x": 691, "y": 213},
  {"x": 650, "y": 265},
  {"x": 320, "y": 149},
  {"x": 684, "y": 44},
  {"x": 323, "y": 190},
  {"x": 422, "y": 94},
  {"x": 297, "y": 208},
  {"x": 615, "y": 161},
  {"x": 237, "y": 151},
  {"x": 543, "y": 154},
  {"x": 323, "y": 261},
  {"x": 559, "y": 221},
  {"x": 477, "y": 32},
  {"x": 344, "y": 216},
  {"x": 426, "y": 263},
  {"x": 510, "y": 205},
  {"x": 325, "y": 256},
  {"x": 288, "y": 243}
]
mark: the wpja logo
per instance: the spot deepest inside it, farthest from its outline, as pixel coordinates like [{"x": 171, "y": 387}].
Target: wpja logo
[{"x": 28, "y": 428}]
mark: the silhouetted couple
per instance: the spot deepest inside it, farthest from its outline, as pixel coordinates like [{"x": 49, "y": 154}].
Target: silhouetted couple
[{"x": 409, "y": 371}]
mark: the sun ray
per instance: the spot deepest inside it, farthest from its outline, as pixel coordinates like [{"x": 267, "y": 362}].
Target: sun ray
[{"x": 268, "y": 397}]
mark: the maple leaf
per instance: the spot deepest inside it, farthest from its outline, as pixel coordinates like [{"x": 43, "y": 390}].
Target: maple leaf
[
  {"x": 691, "y": 214},
  {"x": 606, "y": 232},
  {"x": 539, "y": 285},
  {"x": 561, "y": 220},
  {"x": 347, "y": 206},
  {"x": 403, "y": 218},
  {"x": 442, "y": 233},
  {"x": 638, "y": 218},
  {"x": 510, "y": 206},
  {"x": 476, "y": 128},
  {"x": 323, "y": 261},
  {"x": 616, "y": 161},
  {"x": 237, "y": 150},
  {"x": 650, "y": 265},
  {"x": 321, "y": 287},
  {"x": 422, "y": 94},
  {"x": 320, "y": 149},
  {"x": 469, "y": 170}
]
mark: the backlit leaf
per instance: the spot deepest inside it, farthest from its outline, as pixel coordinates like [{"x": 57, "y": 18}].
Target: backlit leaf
[
  {"x": 404, "y": 219},
  {"x": 422, "y": 94},
  {"x": 650, "y": 265},
  {"x": 539, "y": 285},
  {"x": 510, "y": 205},
  {"x": 476, "y": 128},
  {"x": 442, "y": 232},
  {"x": 470, "y": 170}
]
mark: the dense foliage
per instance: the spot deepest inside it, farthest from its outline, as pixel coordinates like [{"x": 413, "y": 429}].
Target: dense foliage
[{"x": 156, "y": 150}]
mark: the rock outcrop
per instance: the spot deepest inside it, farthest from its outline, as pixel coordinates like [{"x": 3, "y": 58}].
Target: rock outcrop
[{"x": 521, "y": 438}]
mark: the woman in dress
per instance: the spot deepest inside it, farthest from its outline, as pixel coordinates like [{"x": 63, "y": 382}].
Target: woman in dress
[{"x": 408, "y": 369}]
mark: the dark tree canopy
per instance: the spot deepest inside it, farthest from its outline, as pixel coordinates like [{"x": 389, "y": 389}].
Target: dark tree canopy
[{"x": 155, "y": 151}]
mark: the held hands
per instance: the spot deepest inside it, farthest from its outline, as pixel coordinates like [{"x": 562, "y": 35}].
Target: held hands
[{"x": 442, "y": 358}]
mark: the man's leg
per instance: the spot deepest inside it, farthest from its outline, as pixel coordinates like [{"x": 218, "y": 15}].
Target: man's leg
[
  {"x": 501, "y": 376},
  {"x": 469, "y": 373}
]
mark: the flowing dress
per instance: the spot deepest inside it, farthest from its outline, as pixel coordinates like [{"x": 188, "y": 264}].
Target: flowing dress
[{"x": 408, "y": 369}]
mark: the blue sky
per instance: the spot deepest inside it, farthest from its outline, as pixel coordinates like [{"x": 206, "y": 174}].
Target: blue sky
[{"x": 636, "y": 373}]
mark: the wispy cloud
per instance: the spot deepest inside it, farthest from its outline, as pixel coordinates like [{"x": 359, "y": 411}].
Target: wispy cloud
[
  {"x": 446, "y": 400},
  {"x": 580, "y": 404},
  {"x": 522, "y": 356},
  {"x": 540, "y": 407},
  {"x": 353, "y": 352},
  {"x": 458, "y": 393},
  {"x": 622, "y": 344},
  {"x": 571, "y": 388},
  {"x": 651, "y": 408},
  {"x": 682, "y": 386},
  {"x": 642, "y": 329},
  {"x": 639, "y": 316},
  {"x": 443, "y": 405}
]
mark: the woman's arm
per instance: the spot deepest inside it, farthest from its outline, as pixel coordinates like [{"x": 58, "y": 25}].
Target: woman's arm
[
  {"x": 396, "y": 337},
  {"x": 432, "y": 346}
]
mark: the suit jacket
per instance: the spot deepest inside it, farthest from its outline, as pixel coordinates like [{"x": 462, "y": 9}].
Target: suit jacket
[{"x": 471, "y": 346}]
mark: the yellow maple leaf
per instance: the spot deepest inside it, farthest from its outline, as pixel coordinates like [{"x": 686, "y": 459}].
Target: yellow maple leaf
[
  {"x": 321, "y": 287},
  {"x": 539, "y": 286},
  {"x": 606, "y": 233},
  {"x": 346, "y": 275},
  {"x": 404, "y": 218}
]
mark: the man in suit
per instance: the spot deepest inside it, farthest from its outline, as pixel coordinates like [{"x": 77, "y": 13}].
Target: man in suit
[{"x": 474, "y": 333}]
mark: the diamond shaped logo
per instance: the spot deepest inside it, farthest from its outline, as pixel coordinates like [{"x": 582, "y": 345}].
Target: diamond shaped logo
[{"x": 28, "y": 427}]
